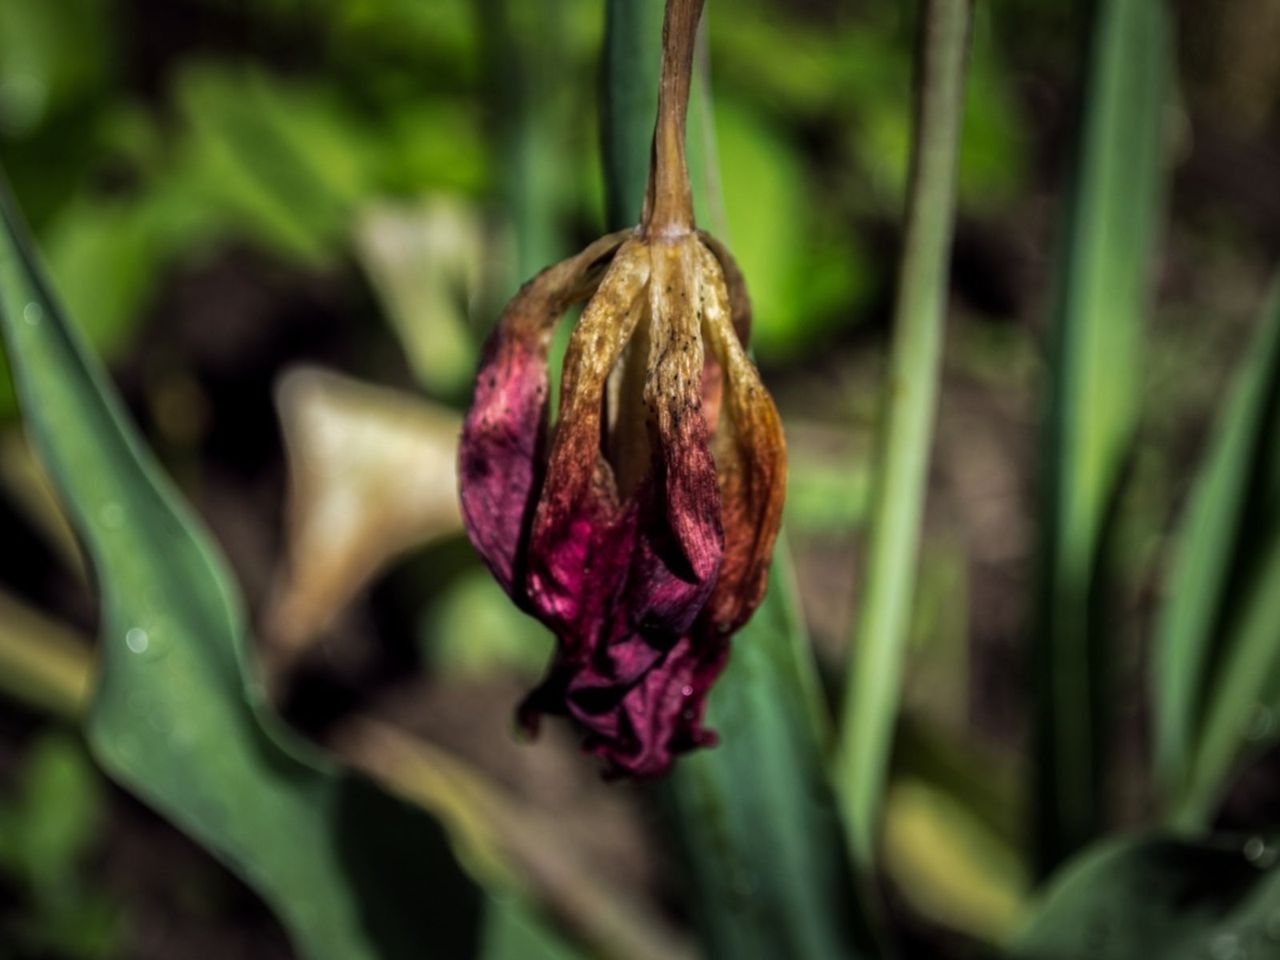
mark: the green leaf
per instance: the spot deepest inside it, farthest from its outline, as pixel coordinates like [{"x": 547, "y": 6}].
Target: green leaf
[
  {"x": 799, "y": 280},
  {"x": 1094, "y": 374},
  {"x": 472, "y": 631},
  {"x": 284, "y": 163},
  {"x": 1216, "y": 645},
  {"x": 756, "y": 815},
  {"x": 1156, "y": 896},
  {"x": 513, "y": 931},
  {"x": 630, "y": 104},
  {"x": 993, "y": 155},
  {"x": 50, "y": 54},
  {"x": 104, "y": 257},
  {"x": 176, "y": 717},
  {"x": 57, "y": 815}
]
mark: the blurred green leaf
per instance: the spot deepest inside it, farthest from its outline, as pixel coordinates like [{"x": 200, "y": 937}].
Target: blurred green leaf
[
  {"x": 442, "y": 33},
  {"x": 50, "y": 54},
  {"x": 756, "y": 815},
  {"x": 105, "y": 258},
  {"x": 994, "y": 148},
  {"x": 798, "y": 279},
  {"x": 526, "y": 53},
  {"x": 46, "y": 834},
  {"x": 176, "y": 716},
  {"x": 629, "y": 104},
  {"x": 435, "y": 143},
  {"x": 8, "y": 399},
  {"x": 1156, "y": 896},
  {"x": 828, "y": 499},
  {"x": 514, "y": 932},
  {"x": 55, "y": 817},
  {"x": 473, "y": 630},
  {"x": 1216, "y": 644},
  {"x": 876, "y": 72},
  {"x": 820, "y": 66},
  {"x": 88, "y": 926},
  {"x": 285, "y": 161},
  {"x": 1094, "y": 374}
]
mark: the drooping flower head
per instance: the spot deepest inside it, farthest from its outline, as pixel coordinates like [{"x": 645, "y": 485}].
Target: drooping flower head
[{"x": 639, "y": 526}]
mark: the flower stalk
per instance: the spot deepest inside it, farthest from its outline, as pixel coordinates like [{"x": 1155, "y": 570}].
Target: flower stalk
[{"x": 668, "y": 209}]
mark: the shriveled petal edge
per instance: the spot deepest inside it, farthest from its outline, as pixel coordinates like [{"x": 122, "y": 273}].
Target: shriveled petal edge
[
  {"x": 503, "y": 434},
  {"x": 580, "y": 543}
]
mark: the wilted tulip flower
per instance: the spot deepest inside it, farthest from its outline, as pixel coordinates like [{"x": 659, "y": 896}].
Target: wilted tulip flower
[{"x": 639, "y": 527}]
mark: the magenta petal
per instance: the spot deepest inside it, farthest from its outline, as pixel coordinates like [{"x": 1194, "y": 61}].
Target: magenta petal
[
  {"x": 639, "y": 729},
  {"x": 582, "y": 536},
  {"x": 626, "y": 669},
  {"x": 499, "y": 453}
]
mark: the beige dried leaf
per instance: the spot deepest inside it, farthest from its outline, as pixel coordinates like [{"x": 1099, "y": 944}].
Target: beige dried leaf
[{"x": 372, "y": 475}]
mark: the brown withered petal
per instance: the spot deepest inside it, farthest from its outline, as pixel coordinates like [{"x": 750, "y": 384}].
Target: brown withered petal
[{"x": 750, "y": 454}]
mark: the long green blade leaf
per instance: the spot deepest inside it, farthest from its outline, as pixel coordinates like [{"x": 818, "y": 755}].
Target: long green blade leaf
[
  {"x": 632, "y": 54},
  {"x": 756, "y": 818},
  {"x": 1216, "y": 645},
  {"x": 1092, "y": 412},
  {"x": 893, "y": 540},
  {"x": 1157, "y": 896},
  {"x": 351, "y": 873}
]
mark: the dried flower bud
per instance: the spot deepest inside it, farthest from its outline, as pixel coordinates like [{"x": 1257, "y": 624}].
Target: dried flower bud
[{"x": 640, "y": 527}]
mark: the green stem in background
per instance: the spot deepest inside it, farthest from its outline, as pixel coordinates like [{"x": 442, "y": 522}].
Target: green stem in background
[
  {"x": 1094, "y": 371},
  {"x": 632, "y": 59},
  {"x": 900, "y": 484},
  {"x": 524, "y": 41}
]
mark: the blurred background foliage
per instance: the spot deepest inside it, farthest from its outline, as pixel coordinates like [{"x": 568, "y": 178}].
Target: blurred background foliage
[
  {"x": 225, "y": 190},
  {"x": 142, "y": 147}
]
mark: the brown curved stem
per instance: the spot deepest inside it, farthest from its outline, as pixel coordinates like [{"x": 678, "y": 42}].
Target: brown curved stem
[{"x": 668, "y": 205}]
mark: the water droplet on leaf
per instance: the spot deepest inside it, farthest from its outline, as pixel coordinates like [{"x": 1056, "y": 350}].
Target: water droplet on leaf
[{"x": 137, "y": 640}]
